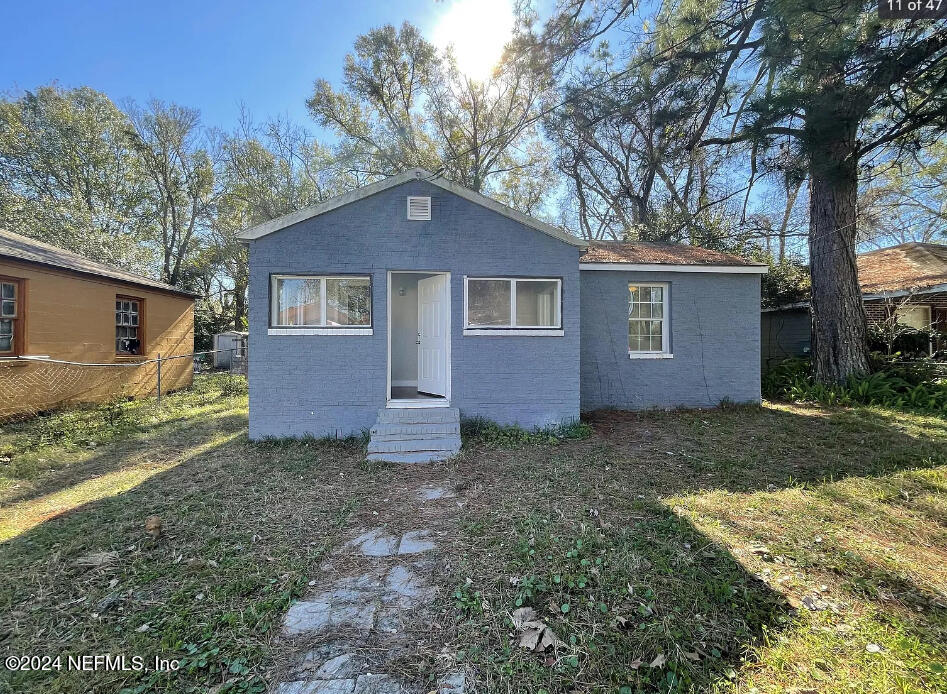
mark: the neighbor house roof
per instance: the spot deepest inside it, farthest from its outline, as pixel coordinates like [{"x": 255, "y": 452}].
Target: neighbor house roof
[
  {"x": 907, "y": 267},
  {"x": 412, "y": 174},
  {"x": 650, "y": 255},
  {"x": 897, "y": 271},
  {"x": 25, "y": 249}
]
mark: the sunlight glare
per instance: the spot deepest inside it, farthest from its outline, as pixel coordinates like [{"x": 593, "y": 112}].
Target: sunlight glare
[{"x": 478, "y": 30}]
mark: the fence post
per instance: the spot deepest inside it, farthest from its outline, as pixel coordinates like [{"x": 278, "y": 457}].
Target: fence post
[{"x": 159, "y": 378}]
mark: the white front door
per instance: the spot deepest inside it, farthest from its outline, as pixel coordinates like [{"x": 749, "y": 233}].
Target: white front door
[{"x": 433, "y": 329}]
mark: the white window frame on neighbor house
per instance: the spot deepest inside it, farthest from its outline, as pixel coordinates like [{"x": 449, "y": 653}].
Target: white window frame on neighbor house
[
  {"x": 322, "y": 328},
  {"x": 664, "y": 352},
  {"x": 513, "y": 329}
]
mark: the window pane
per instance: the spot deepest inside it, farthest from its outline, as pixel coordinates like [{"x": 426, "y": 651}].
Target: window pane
[
  {"x": 488, "y": 302},
  {"x": 8, "y": 290},
  {"x": 126, "y": 305},
  {"x": 135, "y": 306},
  {"x": 299, "y": 301},
  {"x": 9, "y": 308},
  {"x": 348, "y": 301},
  {"x": 537, "y": 303},
  {"x": 134, "y": 319},
  {"x": 657, "y": 310},
  {"x": 6, "y": 327},
  {"x": 118, "y": 306},
  {"x": 6, "y": 344},
  {"x": 917, "y": 317}
]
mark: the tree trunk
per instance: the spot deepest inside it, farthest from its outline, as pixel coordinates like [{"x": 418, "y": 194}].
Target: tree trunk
[{"x": 839, "y": 326}]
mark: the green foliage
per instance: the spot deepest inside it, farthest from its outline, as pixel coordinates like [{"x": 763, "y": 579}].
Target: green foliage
[
  {"x": 490, "y": 433},
  {"x": 403, "y": 104},
  {"x": 69, "y": 176},
  {"x": 902, "y": 386},
  {"x": 786, "y": 282}
]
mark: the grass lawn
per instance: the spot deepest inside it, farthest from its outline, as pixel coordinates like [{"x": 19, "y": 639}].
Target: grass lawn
[{"x": 769, "y": 549}]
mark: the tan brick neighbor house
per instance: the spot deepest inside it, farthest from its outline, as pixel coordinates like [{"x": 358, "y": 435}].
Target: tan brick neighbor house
[
  {"x": 58, "y": 305},
  {"x": 906, "y": 284}
]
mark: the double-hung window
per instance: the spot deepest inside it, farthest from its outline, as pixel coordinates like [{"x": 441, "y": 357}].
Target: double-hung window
[
  {"x": 128, "y": 325},
  {"x": 532, "y": 304},
  {"x": 320, "y": 303},
  {"x": 648, "y": 321},
  {"x": 11, "y": 317}
]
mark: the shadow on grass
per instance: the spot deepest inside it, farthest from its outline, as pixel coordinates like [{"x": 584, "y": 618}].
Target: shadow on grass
[
  {"x": 656, "y": 603},
  {"x": 743, "y": 449},
  {"x": 147, "y": 444},
  {"x": 642, "y": 601},
  {"x": 244, "y": 527}
]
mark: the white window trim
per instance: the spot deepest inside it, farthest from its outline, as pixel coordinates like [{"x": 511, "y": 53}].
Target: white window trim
[
  {"x": 522, "y": 330},
  {"x": 665, "y": 324},
  {"x": 276, "y": 329},
  {"x": 320, "y": 331}
]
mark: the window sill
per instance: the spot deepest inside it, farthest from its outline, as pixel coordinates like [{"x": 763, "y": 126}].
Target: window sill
[
  {"x": 320, "y": 331},
  {"x": 521, "y": 332},
  {"x": 650, "y": 355}
]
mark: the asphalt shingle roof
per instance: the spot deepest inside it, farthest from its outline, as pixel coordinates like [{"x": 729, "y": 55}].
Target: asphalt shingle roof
[
  {"x": 907, "y": 267},
  {"x": 650, "y": 252},
  {"x": 18, "y": 247}
]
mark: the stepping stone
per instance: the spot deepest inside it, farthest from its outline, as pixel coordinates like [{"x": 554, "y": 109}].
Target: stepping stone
[
  {"x": 340, "y": 667},
  {"x": 404, "y": 583},
  {"x": 434, "y": 493},
  {"x": 306, "y": 616},
  {"x": 414, "y": 542},
  {"x": 377, "y": 684},
  {"x": 375, "y": 543},
  {"x": 453, "y": 683},
  {"x": 341, "y": 686},
  {"x": 303, "y": 617}
]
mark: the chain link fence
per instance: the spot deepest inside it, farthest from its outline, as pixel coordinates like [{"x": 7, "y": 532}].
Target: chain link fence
[{"x": 30, "y": 385}]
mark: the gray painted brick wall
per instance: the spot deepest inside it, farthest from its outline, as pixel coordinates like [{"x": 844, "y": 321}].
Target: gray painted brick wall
[
  {"x": 334, "y": 385},
  {"x": 715, "y": 339}
]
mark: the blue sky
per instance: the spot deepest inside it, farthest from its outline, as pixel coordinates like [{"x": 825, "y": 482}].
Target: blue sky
[{"x": 208, "y": 54}]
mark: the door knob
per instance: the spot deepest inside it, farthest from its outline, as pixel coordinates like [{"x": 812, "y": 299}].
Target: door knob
[{"x": 419, "y": 338}]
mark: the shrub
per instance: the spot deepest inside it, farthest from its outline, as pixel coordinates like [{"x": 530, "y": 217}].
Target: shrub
[
  {"x": 912, "y": 386},
  {"x": 491, "y": 433}
]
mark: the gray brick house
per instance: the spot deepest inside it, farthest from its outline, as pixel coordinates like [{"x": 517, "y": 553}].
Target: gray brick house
[{"x": 403, "y": 305}]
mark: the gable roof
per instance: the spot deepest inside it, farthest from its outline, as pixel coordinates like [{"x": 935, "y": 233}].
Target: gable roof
[
  {"x": 906, "y": 267},
  {"x": 23, "y": 248},
  {"x": 273, "y": 225}
]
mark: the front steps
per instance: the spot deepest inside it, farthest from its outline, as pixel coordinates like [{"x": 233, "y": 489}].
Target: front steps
[{"x": 415, "y": 435}]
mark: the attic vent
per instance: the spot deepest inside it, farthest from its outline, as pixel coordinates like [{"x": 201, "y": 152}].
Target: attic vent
[{"x": 419, "y": 208}]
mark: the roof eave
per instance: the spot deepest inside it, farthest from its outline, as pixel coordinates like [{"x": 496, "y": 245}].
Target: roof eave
[
  {"x": 677, "y": 267},
  {"x": 167, "y": 289}
]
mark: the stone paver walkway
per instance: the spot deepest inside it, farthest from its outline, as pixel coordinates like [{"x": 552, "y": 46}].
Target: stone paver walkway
[{"x": 362, "y": 618}]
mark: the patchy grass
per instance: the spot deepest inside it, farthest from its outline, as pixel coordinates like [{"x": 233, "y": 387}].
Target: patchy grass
[
  {"x": 244, "y": 528},
  {"x": 745, "y": 549}
]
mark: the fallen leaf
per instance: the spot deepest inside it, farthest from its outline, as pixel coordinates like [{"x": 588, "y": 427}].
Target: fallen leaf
[
  {"x": 873, "y": 648},
  {"x": 691, "y": 655},
  {"x": 153, "y": 526},
  {"x": 635, "y": 664},
  {"x": 659, "y": 661}
]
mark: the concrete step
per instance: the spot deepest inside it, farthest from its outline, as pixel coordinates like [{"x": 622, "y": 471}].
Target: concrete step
[
  {"x": 416, "y": 430},
  {"x": 418, "y": 415},
  {"x": 418, "y": 457},
  {"x": 432, "y": 443}
]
